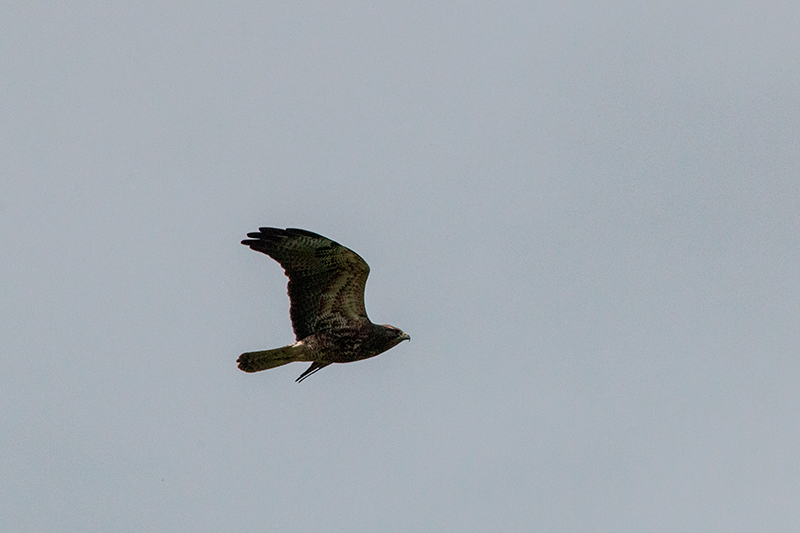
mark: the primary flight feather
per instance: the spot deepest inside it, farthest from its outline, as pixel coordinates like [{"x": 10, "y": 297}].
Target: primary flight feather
[{"x": 326, "y": 295}]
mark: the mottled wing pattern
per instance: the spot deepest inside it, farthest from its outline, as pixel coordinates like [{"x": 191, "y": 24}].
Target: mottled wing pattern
[{"x": 326, "y": 279}]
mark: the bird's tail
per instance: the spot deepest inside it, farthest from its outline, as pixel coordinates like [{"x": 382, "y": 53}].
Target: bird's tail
[{"x": 266, "y": 359}]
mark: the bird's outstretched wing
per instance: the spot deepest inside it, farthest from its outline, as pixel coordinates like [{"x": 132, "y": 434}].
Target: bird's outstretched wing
[{"x": 326, "y": 279}]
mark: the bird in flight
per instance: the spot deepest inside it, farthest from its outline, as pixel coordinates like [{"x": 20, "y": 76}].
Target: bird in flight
[{"x": 326, "y": 296}]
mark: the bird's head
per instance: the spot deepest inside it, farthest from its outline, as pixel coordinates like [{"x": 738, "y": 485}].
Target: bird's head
[
  {"x": 397, "y": 333},
  {"x": 389, "y": 336}
]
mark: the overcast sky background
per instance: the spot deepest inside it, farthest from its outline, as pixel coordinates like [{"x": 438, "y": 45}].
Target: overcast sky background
[{"x": 585, "y": 214}]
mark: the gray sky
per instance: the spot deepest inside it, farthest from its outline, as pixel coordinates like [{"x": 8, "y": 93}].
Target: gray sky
[{"x": 585, "y": 215}]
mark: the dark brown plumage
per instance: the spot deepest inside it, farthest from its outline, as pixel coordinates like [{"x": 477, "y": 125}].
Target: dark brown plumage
[{"x": 326, "y": 295}]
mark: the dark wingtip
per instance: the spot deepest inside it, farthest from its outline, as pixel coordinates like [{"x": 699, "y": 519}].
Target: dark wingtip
[
  {"x": 276, "y": 234},
  {"x": 263, "y": 235},
  {"x": 273, "y": 232}
]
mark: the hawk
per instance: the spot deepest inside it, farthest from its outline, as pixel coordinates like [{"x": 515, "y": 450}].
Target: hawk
[{"x": 326, "y": 296}]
